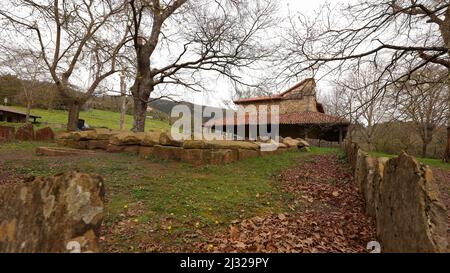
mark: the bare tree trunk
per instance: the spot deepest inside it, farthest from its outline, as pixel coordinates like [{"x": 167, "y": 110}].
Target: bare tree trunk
[
  {"x": 124, "y": 102},
  {"x": 424, "y": 149},
  {"x": 74, "y": 114},
  {"x": 447, "y": 150},
  {"x": 140, "y": 115},
  {"x": 27, "y": 119},
  {"x": 141, "y": 90}
]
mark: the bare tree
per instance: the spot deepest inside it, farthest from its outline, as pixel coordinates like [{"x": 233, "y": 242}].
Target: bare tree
[
  {"x": 410, "y": 34},
  {"x": 28, "y": 66},
  {"x": 363, "y": 104},
  {"x": 424, "y": 101},
  {"x": 219, "y": 37},
  {"x": 341, "y": 103},
  {"x": 124, "y": 101},
  {"x": 78, "y": 40}
]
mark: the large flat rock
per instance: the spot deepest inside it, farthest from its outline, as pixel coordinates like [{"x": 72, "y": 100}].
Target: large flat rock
[
  {"x": 60, "y": 213},
  {"x": 59, "y": 151}
]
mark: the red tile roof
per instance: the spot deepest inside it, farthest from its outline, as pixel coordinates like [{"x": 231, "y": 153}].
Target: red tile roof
[
  {"x": 274, "y": 97},
  {"x": 265, "y": 98},
  {"x": 302, "y": 118}
]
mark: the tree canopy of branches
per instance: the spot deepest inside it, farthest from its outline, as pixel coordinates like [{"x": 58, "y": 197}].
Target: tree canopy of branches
[
  {"x": 424, "y": 101},
  {"x": 354, "y": 98},
  {"x": 28, "y": 66},
  {"x": 176, "y": 41},
  {"x": 411, "y": 34},
  {"x": 74, "y": 38}
]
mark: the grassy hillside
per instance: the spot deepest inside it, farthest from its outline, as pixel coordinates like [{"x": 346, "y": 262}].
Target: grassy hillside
[{"x": 95, "y": 118}]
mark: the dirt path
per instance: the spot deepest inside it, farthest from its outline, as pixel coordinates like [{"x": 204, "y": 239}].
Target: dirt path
[{"x": 327, "y": 215}]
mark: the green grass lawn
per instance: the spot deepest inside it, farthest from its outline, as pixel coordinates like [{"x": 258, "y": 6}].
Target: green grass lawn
[
  {"x": 95, "y": 118},
  {"x": 434, "y": 163},
  {"x": 166, "y": 202}
]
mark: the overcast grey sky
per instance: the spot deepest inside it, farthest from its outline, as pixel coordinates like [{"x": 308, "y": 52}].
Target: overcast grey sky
[{"x": 224, "y": 92}]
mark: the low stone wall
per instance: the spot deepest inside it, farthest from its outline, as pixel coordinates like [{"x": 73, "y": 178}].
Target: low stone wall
[
  {"x": 163, "y": 146},
  {"x": 26, "y": 133},
  {"x": 61, "y": 213},
  {"x": 403, "y": 199}
]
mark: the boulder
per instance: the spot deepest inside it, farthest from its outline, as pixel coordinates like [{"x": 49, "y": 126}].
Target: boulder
[
  {"x": 269, "y": 153},
  {"x": 283, "y": 146},
  {"x": 196, "y": 156},
  {"x": 60, "y": 213},
  {"x": 97, "y": 144},
  {"x": 303, "y": 143},
  {"x": 168, "y": 152},
  {"x": 62, "y": 142},
  {"x": 45, "y": 134},
  {"x": 82, "y": 145},
  {"x": 7, "y": 133},
  {"x": 166, "y": 139},
  {"x": 95, "y": 134},
  {"x": 64, "y": 135},
  {"x": 146, "y": 152},
  {"x": 25, "y": 133},
  {"x": 84, "y": 135},
  {"x": 290, "y": 142},
  {"x": 151, "y": 139},
  {"x": 222, "y": 157},
  {"x": 132, "y": 149},
  {"x": 127, "y": 138},
  {"x": 367, "y": 176},
  {"x": 411, "y": 217},
  {"x": 58, "y": 151},
  {"x": 246, "y": 154},
  {"x": 220, "y": 144},
  {"x": 104, "y": 133}
]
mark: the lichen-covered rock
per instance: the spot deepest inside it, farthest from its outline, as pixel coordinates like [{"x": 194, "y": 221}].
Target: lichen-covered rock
[
  {"x": 97, "y": 144},
  {"x": 132, "y": 149},
  {"x": 290, "y": 142},
  {"x": 410, "y": 217},
  {"x": 196, "y": 156},
  {"x": 168, "y": 152},
  {"x": 166, "y": 139},
  {"x": 64, "y": 135},
  {"x": 284, "y": 146},
  {"x": 7, "y": 133},
  {"x": 61, "y": 213},
  {"x": 45, "y": 134},
  {"x": 25, "y": 133},
  {"x": 220, "y": 144},
  {"x": 74, "y": 144},
  {"x": 246, "y": 154},
  {"x": 222, "y": 157},
  {"x": 95, "y": 134},
  {"x": 151, "y": 139},
  {"x": 58, "y": 151},
  {"x": 105, "y": 133},
  {"x": 146, "y": 152},
  {"x": 303, "y": 143},
  {"x": 84, "y": 135},
  {"x": 367, "y": 176},
  {"x": 127, "y": 138}
]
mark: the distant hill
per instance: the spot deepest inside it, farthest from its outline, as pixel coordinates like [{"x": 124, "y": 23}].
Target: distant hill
[{"x": 47, "y": 97}]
